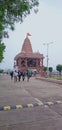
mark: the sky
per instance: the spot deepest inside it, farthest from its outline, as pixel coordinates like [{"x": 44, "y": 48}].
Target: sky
[{"x": 45, "y": 27}]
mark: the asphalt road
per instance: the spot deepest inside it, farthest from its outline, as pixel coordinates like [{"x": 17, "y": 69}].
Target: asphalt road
[{"x": 44, "y": 117}]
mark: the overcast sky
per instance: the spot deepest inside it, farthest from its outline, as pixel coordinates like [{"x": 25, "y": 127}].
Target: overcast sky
[{"x": 45, "y": 27}]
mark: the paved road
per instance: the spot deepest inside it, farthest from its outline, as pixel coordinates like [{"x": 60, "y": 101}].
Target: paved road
[{"x": 45, "y": 117}]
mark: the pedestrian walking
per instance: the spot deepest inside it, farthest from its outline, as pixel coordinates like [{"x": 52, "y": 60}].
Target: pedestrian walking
[
  {"x": 19, "y": 75},
  {"x": 11, "y": 74},
  {"x": 15, "y": 76},
  {"x": 23, "y": 75},
  {"x": 29, "y": 74}
]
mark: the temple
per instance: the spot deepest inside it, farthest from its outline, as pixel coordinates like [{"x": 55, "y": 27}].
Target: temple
[{"x": 27, "y": 59}]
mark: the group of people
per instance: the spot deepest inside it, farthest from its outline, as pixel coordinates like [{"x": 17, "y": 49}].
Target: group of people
[{"x": 18, "y": 75}]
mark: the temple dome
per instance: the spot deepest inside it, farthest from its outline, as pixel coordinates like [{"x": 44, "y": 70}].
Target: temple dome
[{"x": 26, "y": 47}]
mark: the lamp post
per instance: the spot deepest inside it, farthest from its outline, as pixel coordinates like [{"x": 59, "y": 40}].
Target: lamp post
[{"x": 47, "y": 44}]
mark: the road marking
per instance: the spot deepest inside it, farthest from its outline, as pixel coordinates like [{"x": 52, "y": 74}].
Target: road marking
[
  {"x": 7, "y": 107},
  {"x": 59, "y": 102},
  {"x": 35, "y": 104},
  {"x": 50, "y": 103},
  {"x": 40, "y": 103},
  {"x": 30, "y": 105},
  {"x": 37, "y": 100},
  {"x": 19, "y": 106}
]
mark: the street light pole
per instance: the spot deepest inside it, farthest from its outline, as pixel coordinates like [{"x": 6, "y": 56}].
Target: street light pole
[{"x": 47, "y": 44}]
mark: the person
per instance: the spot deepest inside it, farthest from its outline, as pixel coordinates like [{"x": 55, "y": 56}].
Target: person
[
  {"x": 11, "y": 74},
  {"x": 19, "y": 75},
  {"x": 23, "y": 75},
  {"x": 29, "y": 74},
  {"x": 15, "y": 76}
]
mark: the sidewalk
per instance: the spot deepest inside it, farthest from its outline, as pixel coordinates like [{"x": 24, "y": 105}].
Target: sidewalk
[{"x": 49, "y": 80}]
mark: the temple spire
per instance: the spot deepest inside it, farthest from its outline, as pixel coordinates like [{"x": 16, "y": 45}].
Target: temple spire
[{"x": 27, "y": 47}]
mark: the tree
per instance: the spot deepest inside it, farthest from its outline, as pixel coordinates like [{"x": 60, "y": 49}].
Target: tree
[
  {"x": 45, "y": 70},
  {"x": 59, "y": 68},
  {"x": 11, "y": 12},
  {"x": 2, "y": 48},
  {"x": 50, "y": 70}
]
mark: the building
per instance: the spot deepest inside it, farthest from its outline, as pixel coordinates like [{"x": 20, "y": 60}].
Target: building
[{"x": 27, "y": 59}]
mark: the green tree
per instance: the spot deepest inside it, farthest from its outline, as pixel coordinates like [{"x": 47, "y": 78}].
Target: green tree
[
  {"x": 45, "y": 70},
  {"x": 1, "y": 70},
  {"x": 59, "y": 68},
  {"x": 2, "y": 48},
  {"x": 50, "y": 70},
  {"x": 11, "y": 12}
]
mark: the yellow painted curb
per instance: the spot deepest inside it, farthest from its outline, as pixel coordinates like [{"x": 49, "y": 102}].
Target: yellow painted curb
[
  {"x": 6, "y": 107},
  {"x": 19, "y": 106},
  {"x": 30, "y": 105},
  {"x": 50, "y": 103},
  {"x": 59, "y": 102}
]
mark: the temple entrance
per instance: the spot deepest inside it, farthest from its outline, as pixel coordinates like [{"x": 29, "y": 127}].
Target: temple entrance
[{"x": 31, "y": 63}]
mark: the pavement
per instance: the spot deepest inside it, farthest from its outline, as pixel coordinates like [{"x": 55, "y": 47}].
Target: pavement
[
  {"x": 49, "y": 80},
  {"x": 33, "y": 105}
]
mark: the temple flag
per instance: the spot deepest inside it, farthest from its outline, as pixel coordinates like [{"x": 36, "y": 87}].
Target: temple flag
[{"x": 28, "y": 34}]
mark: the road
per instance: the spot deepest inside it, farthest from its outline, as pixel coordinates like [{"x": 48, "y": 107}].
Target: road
[{"x": 44, "y": 117}]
